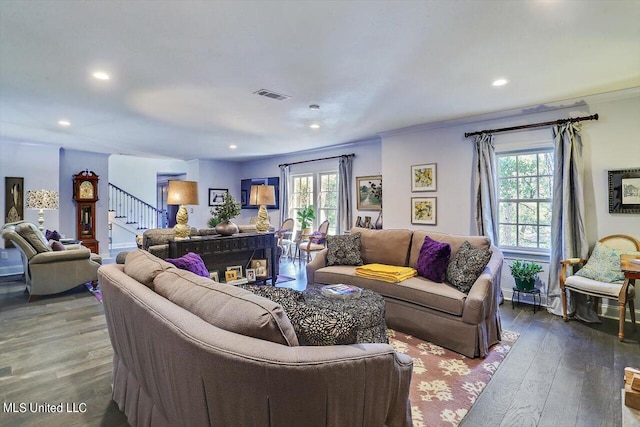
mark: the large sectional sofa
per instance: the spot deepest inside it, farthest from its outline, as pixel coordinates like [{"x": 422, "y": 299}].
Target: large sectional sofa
[
  {"x": 191, "y": 352},
  {"x": 468, "y": 323}
]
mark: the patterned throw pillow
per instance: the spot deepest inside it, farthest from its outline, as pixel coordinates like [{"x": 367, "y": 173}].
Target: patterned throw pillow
[
  {"x": 466, "y": 266},
  {"x": 191, "y": 262},
  {"x": 433, "y": 260},
  {"x": 344, "y": 250},
  {"x": 604, "y": 264}
]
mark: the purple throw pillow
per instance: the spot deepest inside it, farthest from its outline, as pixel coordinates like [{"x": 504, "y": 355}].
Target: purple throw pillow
[
  {"x": 52, "y": 235},
  {"x": 318, "y": 237},
  {"x": 191, "y": 262},
  {"x": 433, "y": 260}
]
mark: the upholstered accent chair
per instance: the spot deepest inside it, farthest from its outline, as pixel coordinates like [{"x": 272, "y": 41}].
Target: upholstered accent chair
[
  {"x": 284, "y": 236},
  {"x": 47, "y": 271},
  {"x": 317, "y": 241},
  {"x": 608, "y": 283}
]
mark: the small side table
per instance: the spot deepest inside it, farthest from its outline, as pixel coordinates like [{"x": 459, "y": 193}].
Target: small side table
[{"x": 534, "y": 292}]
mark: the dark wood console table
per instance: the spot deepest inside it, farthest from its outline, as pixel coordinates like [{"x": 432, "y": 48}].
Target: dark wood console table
[{"x": 219, "y": 252}]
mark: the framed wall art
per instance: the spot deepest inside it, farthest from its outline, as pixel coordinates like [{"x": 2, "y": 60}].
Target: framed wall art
[
  {"x": 423, "y": 210},
  {"x": 216, "y": 196},
  {"x": 624, "y": 191},
  {"x": 369, "y": 193},
  {"x": 14, "y": 199},
  {"x": 424, "y": 177}
]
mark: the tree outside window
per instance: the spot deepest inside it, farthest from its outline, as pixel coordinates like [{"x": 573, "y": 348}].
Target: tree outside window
[{"x": 525, "y": 195}]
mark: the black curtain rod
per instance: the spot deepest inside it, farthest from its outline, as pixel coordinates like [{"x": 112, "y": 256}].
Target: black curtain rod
[
  {"x": 317, "y": 160},
  {"x": 534, "y": 125}
]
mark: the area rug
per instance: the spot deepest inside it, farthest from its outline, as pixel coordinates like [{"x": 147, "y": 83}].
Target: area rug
[
  {"x": 96, "y": 292},
  {"x": 445, "y": 384}
]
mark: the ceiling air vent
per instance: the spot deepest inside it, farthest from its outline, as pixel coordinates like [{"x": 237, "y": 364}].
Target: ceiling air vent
[{"x": 272, "y": 94}]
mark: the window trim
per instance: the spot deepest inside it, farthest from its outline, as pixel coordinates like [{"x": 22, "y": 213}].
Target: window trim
[{"x": 523, "y": 250}]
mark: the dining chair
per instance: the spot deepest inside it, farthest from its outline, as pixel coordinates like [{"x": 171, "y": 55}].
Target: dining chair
[{"x": 317, "y": 241}]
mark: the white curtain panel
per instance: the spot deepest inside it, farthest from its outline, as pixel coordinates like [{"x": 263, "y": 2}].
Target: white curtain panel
[
  {"x": 568, "y": 235},
  {"x": 285, "y": 172},
  {"x": 485, "y": 208},
  {"x": 345, "y": 203}
]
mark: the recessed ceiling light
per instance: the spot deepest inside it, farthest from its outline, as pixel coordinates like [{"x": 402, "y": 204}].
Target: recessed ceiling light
[
  {"x": 64, "y": 122},
  {"x": 314, "y": 107},
  {"x": 314, "y": 126},
  {"x": 101, "y": 75},
  {"x": 500, "y": 82},
  {"x": 233, "y": 146}
]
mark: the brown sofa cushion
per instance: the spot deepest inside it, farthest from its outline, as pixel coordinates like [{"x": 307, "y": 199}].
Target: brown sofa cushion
[
  {"x": 227, "y": 307},
  {"x": 31, "y": 234},
  {"x": 384, "y": 246},
  {"x": 480, "y": 242},
  {"x": 144, "y": 267}
]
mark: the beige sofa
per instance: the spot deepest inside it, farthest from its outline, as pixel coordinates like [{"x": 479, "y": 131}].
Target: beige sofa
[
  {"x": 46, "y": 271},
  {"x": 192, "y": 352},
  {"x": 466, "y": 323}
]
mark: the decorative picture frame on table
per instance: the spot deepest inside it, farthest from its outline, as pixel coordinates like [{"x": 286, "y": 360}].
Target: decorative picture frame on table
[
  {"x": 237, "y": 269},
  {"x": 624, "y": 191},
  {"x": 424, "y": 210},
  {"x": 230, "y": 275},
  {"x": 251, "y": 275},
  {"x": 216, "y": 196},
  {"x": 369, "y": 193},
  {"x": 214, "y": 276},
  {"x": 424, "y": 177},
  {"x": 260, "y": 267}
]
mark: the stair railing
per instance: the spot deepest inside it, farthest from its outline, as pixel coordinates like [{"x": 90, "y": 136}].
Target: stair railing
[{"x": 134, "y": 211}]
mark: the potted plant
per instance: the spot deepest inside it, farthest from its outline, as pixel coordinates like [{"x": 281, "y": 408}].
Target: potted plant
[
  {"x": 223, "y": 214},
  {"x": 524, "y": 274},
  {"x": 305, "y": 217}
]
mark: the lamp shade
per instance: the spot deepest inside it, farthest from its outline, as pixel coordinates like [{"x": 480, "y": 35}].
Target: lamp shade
[
  {"x": 42, "y": 199},
  {"x": 182, "y": 193},
  {"x": 262, "y": 195}
]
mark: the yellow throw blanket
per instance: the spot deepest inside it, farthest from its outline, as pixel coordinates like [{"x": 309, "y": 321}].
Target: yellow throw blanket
[{"x": 387, "y": 273}]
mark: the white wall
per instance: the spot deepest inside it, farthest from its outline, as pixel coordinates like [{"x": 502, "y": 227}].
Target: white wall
[
  {"x": 38, "y": 164},
  {"x": 211, "y": 174},
  {"x": 138, "y": 175},
  {"x": 612, "y": 142},
  {"x": 71, "y": 163},
  {"x": 367, "y": 161}
]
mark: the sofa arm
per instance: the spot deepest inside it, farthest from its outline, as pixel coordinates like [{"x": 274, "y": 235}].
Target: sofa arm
[
  {"x": 58, "y": 256},
  {"x": 482, "y": 300},
  {"x": 319, "y": 261}
]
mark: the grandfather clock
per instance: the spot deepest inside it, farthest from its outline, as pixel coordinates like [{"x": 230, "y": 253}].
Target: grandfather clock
[{"x": 85, "y": 194}]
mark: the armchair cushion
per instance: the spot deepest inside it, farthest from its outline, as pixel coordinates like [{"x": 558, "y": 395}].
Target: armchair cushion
[
  {"x": 605, "y": 289},
  {"x": 31, "y": 234},
  {"x": 604, "y": 264}
]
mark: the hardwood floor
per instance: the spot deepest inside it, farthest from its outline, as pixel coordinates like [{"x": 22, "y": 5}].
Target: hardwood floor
[{"x": 56, "y": 350}]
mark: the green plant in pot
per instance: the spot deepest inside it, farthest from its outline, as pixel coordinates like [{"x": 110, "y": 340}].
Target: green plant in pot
[
  {"x": 223, "y": 214},
  {"x": 305, "y": 218},
  {"x": 525, "y": 274}
]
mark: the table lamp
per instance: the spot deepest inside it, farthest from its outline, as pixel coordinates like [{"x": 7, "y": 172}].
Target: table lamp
[
  {"x": 262, "y": 195},
  {"x": 42, "y": 199},
  {"x": 182, "y": 193}
]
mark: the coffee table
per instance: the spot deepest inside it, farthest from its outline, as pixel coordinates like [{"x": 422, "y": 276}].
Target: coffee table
[{"x": 367, "y": 310}]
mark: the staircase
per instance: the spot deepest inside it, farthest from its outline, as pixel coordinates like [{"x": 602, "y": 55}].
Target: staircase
[{"x": 133, "y": 214}]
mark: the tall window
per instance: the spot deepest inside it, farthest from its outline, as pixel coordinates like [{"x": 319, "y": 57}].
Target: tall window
[
  {"x": 320, "y": 190},
  {"x": 525, "y": 194}
]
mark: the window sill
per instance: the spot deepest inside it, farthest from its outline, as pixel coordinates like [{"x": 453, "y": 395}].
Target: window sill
[{"x": 525, "y": 255}]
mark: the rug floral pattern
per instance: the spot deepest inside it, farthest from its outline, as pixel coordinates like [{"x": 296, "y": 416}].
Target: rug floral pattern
[{"x": 445, "y": 384}]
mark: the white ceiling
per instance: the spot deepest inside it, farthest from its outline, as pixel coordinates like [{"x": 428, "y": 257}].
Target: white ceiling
[{"x": 184, "y": 72}]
